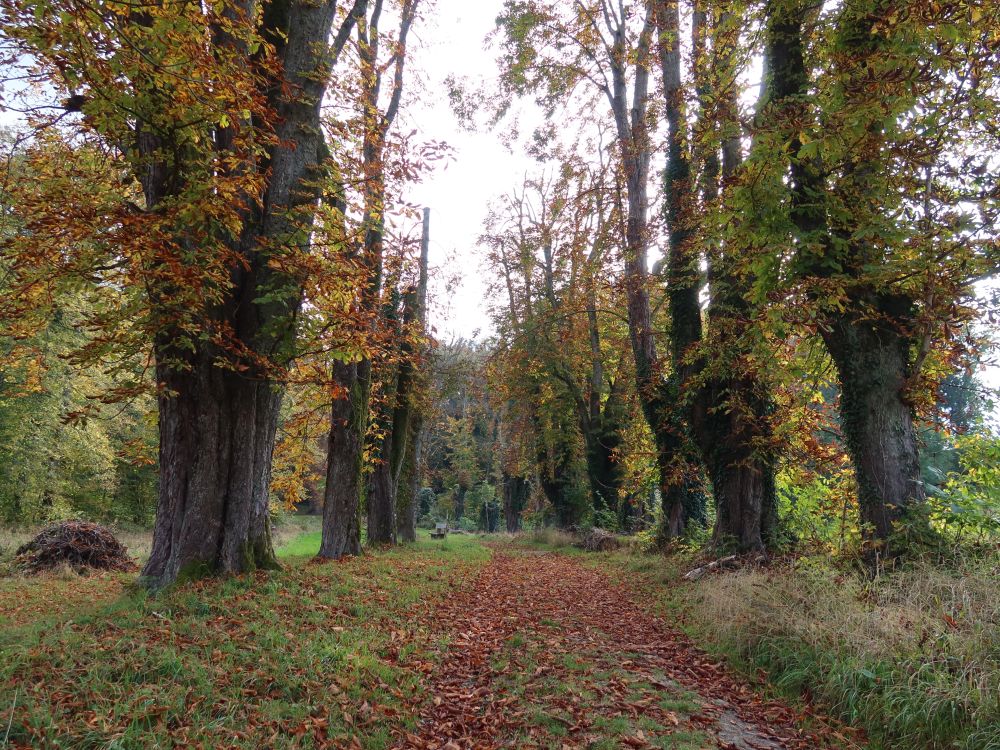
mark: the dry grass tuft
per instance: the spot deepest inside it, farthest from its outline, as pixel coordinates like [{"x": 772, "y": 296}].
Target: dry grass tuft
[
  {"x": 914, "y": 655},
  {"x": 551, "y": 537}
]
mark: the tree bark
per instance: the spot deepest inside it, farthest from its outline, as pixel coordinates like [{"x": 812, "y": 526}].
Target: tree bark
[
  {"x": 381, "y": 499},
  {"x": 872, "y": 359},
  {"x": 409, "y": 485},
  {"x": 516, "y": 490},
  {"x": 216, "y": 437},
  {"x": 381, "y": 504},
  {"x": 345, "y": 462},
  {"x": 408, "y": 411},
  {"x": 217, "y": 421},
  {"x": 633, "y": 136},
  {"x": 683, "y": 282}
]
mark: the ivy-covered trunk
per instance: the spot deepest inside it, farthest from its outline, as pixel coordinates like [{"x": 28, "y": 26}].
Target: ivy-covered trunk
[
  {"x": 872, "y": 359},
  {"x": 741, "y": 466},
  {"x": 409, "y": 484},
  {"x": 601, "y": 427}
]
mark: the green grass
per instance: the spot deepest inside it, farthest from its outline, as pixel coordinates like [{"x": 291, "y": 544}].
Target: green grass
[
  {"x": 304, "y": 545},
  {"x": 311, "y": 654}
]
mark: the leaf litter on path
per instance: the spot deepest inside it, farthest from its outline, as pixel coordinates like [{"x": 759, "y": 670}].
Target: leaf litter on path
[{"x": 543, "y": 652}]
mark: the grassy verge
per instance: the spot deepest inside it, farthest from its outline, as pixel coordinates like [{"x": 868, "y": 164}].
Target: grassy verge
[
  {"x": 313, "y": 655},
  {"x": 912, "y": 657},
  {"x": 62, "y": 594}
]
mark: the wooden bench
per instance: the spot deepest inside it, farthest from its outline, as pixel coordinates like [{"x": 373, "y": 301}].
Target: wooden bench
[{"x": 440, "y": 531}]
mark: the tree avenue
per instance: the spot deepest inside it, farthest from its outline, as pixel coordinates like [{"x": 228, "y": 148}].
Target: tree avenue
[
  {"x": 835, "y": 208},
  {"x": 732, "y": 302},
  {"x": 685, "y": 389}
]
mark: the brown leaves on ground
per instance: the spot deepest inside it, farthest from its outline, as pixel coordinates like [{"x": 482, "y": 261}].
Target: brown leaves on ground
[
  {"x": 544, "y": 652},
  {"x": 52, "y": 596},
  {"x": 431, "y": 647}
]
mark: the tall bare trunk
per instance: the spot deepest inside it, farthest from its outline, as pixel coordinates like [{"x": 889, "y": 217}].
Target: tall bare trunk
[
  {"x": 408, "y": 416},
  {"x": 345, "y": 463}
]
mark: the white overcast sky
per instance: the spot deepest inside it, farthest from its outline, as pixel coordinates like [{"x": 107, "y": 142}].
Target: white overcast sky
[{"x": 451, "y": 41}]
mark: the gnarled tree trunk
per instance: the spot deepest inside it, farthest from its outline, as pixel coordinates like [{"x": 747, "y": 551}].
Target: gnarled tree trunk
[
  {"x": 216, "y": 438},
  {"x": 872, "y": 359},
  {"x": 217, "y": 421}
]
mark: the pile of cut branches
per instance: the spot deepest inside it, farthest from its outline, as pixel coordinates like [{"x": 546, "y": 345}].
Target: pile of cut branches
[{"x": 79, "y": 544}]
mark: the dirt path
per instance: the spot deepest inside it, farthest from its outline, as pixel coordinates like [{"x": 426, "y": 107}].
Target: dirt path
[{"x": 545, "y": 652}]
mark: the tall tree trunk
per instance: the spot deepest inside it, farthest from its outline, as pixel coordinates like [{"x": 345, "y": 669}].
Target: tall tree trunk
[
  {"x": 409, "y": 484},
  {"x": 381, "y": 497},
  {"x": 678, "y": 501},
  {"x": 408, "y": 414},
  {"x": 217, "y": 422},
  {"x": 382, "y": 503},
  {"x": 216, "y": 437},
  {"x": 345, "y": 463},
  {"x": 516, "y": 490},
  {"x": 731, "y": 415},
  {"x": 740, "y": 467},
  {"x": 872, "y": 360}
]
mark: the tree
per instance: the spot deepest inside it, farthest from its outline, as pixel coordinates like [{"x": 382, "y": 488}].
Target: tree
[
  {"x": 722, "y": 401},
  {"x": 880, "y": 242},
  {"x": 407, "y": 421},
  {"x": 213, "y": 115}
]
